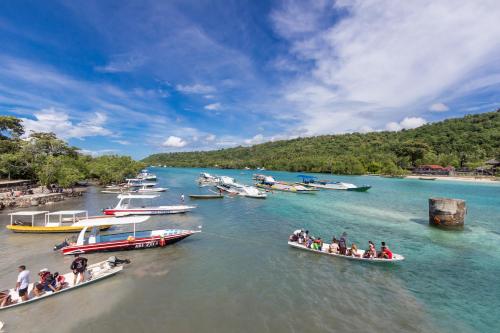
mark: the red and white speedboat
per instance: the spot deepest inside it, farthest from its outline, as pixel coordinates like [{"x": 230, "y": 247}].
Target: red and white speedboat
[
  {"x": 134, "y": 240},
  {"x": 125, "y": 206}
]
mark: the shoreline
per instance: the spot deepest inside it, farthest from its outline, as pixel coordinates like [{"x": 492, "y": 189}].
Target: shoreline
[{"x": 484, "y": 180}]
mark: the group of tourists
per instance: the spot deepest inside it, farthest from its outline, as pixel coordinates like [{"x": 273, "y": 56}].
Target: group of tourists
[
  {"x": 339, "y": 246},
  {"x": 48, "y": 282}
]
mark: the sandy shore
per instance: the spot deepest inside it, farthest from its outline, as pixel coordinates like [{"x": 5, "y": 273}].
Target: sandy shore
[{"x": 460, "y": 179}]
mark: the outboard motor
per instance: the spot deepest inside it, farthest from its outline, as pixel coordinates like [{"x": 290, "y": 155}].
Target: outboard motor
[
  {"x": 114, "y": 261},
  {"x": 60, "y": 246}
]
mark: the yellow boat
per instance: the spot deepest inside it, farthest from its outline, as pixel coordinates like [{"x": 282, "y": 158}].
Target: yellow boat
[
  {"x": 43, "y": 229},
  {"x": 63, "y": 225}
]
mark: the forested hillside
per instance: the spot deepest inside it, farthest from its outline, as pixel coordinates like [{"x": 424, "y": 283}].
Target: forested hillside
[{"x": 461, "y": 142}]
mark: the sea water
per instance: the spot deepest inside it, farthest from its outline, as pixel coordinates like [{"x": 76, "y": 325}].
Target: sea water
[{"x": 239, "y": 274}]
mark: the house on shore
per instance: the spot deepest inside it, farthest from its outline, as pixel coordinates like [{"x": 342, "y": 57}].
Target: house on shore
[
  {"x": 491, "y": 168},
  {"x": 434, "y": 169}
]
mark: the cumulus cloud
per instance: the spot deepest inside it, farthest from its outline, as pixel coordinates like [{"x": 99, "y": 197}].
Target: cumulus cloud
[
  {"x": 174, "y": 142},
  {"x": 384, "y": 59},
  {"x": 59, "y": 122},
  {"x": 213, "y": 106},
  {"x": 259, "y": 138},
  {"x": 406, "y": 123},
  {"x": 195, "y": 89},
  {"x": 439, "y": 107},
  {"x": 210, "y": 137}
]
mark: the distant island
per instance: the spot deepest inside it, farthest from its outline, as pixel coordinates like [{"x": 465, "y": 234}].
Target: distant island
[{"x": 463, "y": 143}]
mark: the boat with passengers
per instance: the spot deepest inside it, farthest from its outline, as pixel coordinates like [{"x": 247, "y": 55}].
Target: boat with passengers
[
  {"x": 62, "y": 221},
  {"x": 132, "y": 240},
  {"x": 93, "y": 273},
  {"x": 206, "y": 179},
  {"x": 126, "y": 205},
  {"x": 147, "y": 176},
  {"x": 312, "y": 181}
]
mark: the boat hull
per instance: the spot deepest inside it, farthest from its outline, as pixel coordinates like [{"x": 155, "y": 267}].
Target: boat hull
[
  {"x": 49, "y": 230},
  {"x": 360, "y": 188},
  {"x": 207, "y": 196},
  {"x": 144, "y": 212},
  {"x": 396, "y": 257},
  {"x": 96, "y": 273},
  {"x": 126, "y": 244}
]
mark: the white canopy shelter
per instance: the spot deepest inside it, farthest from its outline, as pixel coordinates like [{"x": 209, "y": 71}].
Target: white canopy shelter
[{"x": 28, "y": 213}]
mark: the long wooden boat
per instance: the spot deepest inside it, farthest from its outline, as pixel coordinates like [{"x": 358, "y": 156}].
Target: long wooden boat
[
  {"x": 95, "y": 272},
  {"x": 135, "y": 240},
  {"x": 62, "y": 225},
  {"x": 206, "y": 196},
  {"x": 324, "y": 250}
]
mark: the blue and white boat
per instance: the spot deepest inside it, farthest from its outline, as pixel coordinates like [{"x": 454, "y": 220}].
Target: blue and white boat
[{"x": 312, "y": 181}]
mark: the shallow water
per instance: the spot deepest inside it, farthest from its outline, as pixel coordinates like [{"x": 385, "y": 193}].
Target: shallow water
[{"x": 239, "y": 275}]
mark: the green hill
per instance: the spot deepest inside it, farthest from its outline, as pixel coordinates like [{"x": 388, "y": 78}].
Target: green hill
[{"x": 460, "y": 142}]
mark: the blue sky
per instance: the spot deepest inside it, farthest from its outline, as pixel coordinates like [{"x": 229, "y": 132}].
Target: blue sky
[{"x": 140, "y": 77}]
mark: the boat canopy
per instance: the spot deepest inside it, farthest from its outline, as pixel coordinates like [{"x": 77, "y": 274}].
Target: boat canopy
[
  {"x": 307, "y": 177},
  {"x": 112, "y": 220},
  {"x": 61, "y": 213},
  {"x": 31, "y": 213}
]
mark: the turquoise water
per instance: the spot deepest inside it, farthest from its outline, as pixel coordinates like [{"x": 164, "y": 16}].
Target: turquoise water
[{"x": 239, "y": 275}]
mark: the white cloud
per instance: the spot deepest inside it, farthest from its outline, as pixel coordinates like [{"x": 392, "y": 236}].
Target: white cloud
[
  {"x": 210, "y": 137},
  {"x": 259, "y": 138},
  {"x": 122, "y": 142},
  {"x": 406, "y": 123},
  {"x": 439, "y": 107},
  {"x": 122, "y": 63},
  {"x": 384, "y": 59},
  {"x": 195, "y": 89},
  {"x": 213, "y": 106},
  {"x": 59, "y": 122},
  {"x": 95, "y": 153},
  {"x": 174, "y": 141}
]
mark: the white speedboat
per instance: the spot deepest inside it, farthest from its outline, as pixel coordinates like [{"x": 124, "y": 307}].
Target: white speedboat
[
  {"x": 324, "y": 250},
  {"x": 229, "y": 185},
  {"x": 145, "y": 175},
  {"x": 125, "y": 206},
  {"x": 147, "y": 189},
  {"x": 206, "y": 179},
  {"x": 328, "y": 185}
]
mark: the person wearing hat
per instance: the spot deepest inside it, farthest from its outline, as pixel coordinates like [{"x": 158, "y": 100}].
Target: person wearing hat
[
  {"x": 45, "y": 283},
  {"x": 79, "y": 266}
]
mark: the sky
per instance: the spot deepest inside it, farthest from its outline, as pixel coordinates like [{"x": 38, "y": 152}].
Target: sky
[{"x": 143, "y": 77}]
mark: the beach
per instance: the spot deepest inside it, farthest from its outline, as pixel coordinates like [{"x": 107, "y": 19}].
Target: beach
[{"x": 472, "y": 179}]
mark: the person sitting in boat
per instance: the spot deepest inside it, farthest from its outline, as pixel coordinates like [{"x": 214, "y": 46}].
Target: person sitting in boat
[
  {"x": 293, "y": 238},
  {"x": 385, "y": 252},
  {"x": 6, "y": 299},
  {"x": 317, "y": 244},
  {"x": 353, "y": 251},
  {"x": 371, "y": 252},
  {"x": 309, "y": 242},
  {"x": 334, "y": 246},
  {"x": 343, "y": 244},
  {"x": 46, "y": 283},
  {"x": 79, "y": 266},
  {"x": 60, "y": 281}
]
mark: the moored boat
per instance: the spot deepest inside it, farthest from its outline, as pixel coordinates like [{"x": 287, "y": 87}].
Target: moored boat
[
  {"x": 229, "y": 185},
  {"x": 206, "y": 196},
  {"x": 125, "y": 206},
  {"x": 311, "y": 181},
  {"x": 94, "y": 273},
  {"x": 133, "y": 240},
  {"x": 324, "y": 250},
  {"x": 66, "y": 222}
]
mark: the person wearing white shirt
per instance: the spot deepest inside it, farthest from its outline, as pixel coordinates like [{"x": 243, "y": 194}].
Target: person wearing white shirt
[{"x": 23, "y": 281}]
